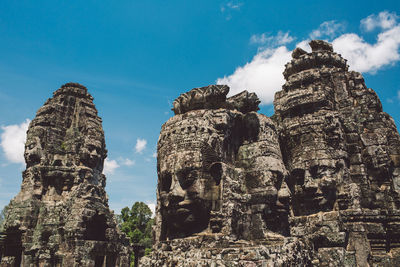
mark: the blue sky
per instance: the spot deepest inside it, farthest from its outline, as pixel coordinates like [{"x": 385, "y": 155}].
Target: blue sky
[{"x": 136, "y": 57}]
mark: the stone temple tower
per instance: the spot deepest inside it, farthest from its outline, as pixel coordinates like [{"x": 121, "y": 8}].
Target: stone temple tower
[
  {"x": 61, "y": 215},
  {"x": 316, "y": 184},
  {"x": 342, "y": 153},
  {"x": 222, "y": 198}
]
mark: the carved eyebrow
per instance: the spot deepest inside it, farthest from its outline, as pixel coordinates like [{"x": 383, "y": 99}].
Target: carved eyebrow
[{"x": 187, "y": 170}]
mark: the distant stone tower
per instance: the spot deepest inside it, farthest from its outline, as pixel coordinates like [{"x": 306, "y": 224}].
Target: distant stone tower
[{"x": 61, "y": 215}]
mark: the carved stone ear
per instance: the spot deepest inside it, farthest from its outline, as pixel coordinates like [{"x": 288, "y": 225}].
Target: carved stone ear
[{"x": 216, "y": 171}]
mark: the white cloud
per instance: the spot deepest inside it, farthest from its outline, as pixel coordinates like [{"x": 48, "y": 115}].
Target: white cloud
[
  {"x": 328, "y": 28},
  {"x": 230, "y": 6},
  {"x": 154, "y": 155},
  {"x": 263, "y": 74},
  {"x": 140, "y": 145},
  {"x": 384, "y": 20},
  {"x": 152, "y": 207},
  {"x": 110, "y": 166},
  {"x": 263, "y": 39},
  {"x": 398, "y": 95},
  {"x": 128, "y": 162},
  {"x": 13, "y": 141},
  {"x": 304, "y": 45},
  {"x": 365, "y": 57},
  {"x": 234, "y": 5}
]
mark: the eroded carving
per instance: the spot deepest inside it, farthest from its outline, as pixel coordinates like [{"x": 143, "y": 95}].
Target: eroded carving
[
  {"x": 318, "y": 183},
  {"x": 221, "y": 175},
  {"x": 61, "y": 216},
  {"x": 335, "y": 141}
]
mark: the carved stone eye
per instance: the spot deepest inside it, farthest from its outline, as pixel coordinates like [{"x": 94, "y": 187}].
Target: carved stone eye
[
  {"x": 317, "y": 172},
  {"x": 277, "y": 178},
  {"x": 187, "y": 177},
  {"x": 297, "y": 176},
  {"x": 216, "y": 172},
  {"x": 31, "y": 146},
  {"x": 166, "y": 180},
  {"x": 91, "y": 148}
]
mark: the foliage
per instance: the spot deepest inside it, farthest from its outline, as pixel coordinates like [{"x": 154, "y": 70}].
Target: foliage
[{"x": 137, "y": 223}]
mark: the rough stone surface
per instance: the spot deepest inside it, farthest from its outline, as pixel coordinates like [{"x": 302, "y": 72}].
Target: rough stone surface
[
  {"x": 317, "y": 184},
  {"x": 342, "y": 154},
  {"x": 61, "y": 215},
  {"x": 222, "y": 195}
]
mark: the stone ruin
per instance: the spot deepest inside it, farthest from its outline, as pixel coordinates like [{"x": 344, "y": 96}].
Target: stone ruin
[
  {"x": 316, "y": 184},
  {"x": 61, "y": 215}
]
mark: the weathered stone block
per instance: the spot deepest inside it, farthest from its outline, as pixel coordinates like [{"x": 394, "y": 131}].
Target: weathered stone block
[{"x": 61, "y": 216}]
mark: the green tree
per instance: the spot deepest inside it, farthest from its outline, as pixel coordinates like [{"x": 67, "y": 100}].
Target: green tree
[{"x": 137, "y": 223}]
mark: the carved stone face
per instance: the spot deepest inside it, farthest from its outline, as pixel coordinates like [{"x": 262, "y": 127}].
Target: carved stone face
[
  {"x": 90, "y": 154},
  {"x": 268, "y": 179},
  {"x": 270, "y": 194},
  {"x": 33, "y": 151},
  {"x": 315, "y": 186},
  {"x": 188, "y": 190}
]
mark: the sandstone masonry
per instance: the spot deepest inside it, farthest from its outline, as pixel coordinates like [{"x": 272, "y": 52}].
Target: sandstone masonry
[
  {"x": 61, "y": 215},
  {"x": 317, "y": 184}
]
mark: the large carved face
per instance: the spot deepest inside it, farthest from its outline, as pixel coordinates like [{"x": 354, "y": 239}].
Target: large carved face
[
  {"x": 315, "y": 185},
  {"x": 33, "y": 151},
  {"x": 91, "y": 153},
  {"x": 265, "y": 175},
  {"x": 188, "y": 185},
  {"x": 266, "y": 178}
]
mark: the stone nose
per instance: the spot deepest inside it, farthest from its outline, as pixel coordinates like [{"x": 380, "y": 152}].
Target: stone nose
[
  {"x": 284, "y": 194},
  {"x": 177, "y": 194},
  {"x": 310, "y": 184}
]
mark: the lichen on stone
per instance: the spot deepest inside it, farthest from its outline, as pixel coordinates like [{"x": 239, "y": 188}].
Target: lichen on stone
[
  {"x": 317, "y": 185},
  {"x": 61, "y": 215}
]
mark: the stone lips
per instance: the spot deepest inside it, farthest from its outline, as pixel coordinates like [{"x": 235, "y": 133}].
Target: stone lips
[
  {"x": 315, "y": 184},
  {"x": 61, "y": 215}
]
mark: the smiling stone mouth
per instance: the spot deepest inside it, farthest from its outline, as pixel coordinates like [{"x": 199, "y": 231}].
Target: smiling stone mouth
[
  {"x": 181, "y": 211},
  {"x": 281, "y": 207},
  {"x": 316, "y": 198},
  {"x": 319, "y": 199}
]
